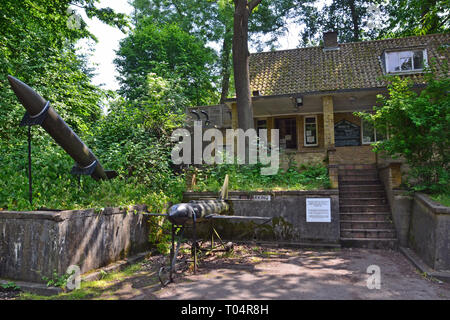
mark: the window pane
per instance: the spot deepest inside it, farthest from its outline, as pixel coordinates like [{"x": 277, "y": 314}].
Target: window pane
[
  {"x": 393, "y": 63},
  {"x": 288, "y": 132},
  {"x": 261, "y": 124},
  {"x": 368, "y": 132},
  {"x": 310, "y": 131},
  {"x": 405, "y": 61},
  {"x": 399, "y": 61},
  {"x": 418, "y": 59}
]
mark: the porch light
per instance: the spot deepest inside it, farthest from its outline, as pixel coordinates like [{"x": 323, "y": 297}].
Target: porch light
[{"x": 299, "y": 101}]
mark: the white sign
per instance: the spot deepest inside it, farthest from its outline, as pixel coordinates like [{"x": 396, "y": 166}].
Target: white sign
[
  {"x": 318, "y": 210},
  {"x": 264, "y": 197}
]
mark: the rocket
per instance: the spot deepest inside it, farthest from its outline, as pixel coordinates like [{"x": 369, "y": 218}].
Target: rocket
[
  {"x": 58, "y": 129},
  {"x": 182, "y": 213}
]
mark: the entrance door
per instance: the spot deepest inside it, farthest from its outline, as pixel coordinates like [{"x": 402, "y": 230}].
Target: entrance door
[
  {"x": 347, "y": 134},
  {"x": 288, "y": 132}
]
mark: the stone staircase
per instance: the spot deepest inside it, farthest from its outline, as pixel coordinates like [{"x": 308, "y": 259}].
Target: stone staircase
[{"x": 365, "y": 216}]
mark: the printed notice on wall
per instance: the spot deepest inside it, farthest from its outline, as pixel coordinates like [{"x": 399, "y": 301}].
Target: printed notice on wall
[{"x": 318, "y": 210}]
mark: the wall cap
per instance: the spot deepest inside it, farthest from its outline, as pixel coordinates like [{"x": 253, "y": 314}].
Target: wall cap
[
  {"x": 210, "y": 194},
  {"x": 59, "y": 216},
  {"x": 431, "y": 204}
]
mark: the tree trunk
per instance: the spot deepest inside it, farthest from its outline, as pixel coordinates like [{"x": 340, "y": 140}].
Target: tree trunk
[
  {"x": 354, "y": 20},
  {"x": 240, "y": 65},
  {"x": 225, "y": 62}
]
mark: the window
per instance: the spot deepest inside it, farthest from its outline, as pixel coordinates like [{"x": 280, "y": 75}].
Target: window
[
  {"x": 370, "y": 134},
  {"x": 405, "y": 61},
  {"x": 288, "y": 132},
  {"x": 310, "y": 130}
]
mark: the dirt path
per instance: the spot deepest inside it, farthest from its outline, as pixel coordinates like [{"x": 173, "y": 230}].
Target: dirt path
[{"x": 267, "y": 273}]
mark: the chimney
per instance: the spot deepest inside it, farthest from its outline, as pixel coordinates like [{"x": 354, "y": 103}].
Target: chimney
[{"x": 330, "y": 40}]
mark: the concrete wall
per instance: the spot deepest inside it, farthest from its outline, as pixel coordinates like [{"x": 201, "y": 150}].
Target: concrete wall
[
  {"x": 399, "y": 201},
  {"x": 429, "y": 234},
  {"x": 288, "y": 208},
  {"x": 34, "y": 244}
]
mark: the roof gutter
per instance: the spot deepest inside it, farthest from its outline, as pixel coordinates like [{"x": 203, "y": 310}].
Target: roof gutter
[{"x": 327, "y": 92}]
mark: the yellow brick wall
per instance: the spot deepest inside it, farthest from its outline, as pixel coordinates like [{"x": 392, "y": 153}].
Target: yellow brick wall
[
  {"x": 353, "y": 155},
  {"x": 302, "y": 158},
  {"x": 328, "y": 116}
]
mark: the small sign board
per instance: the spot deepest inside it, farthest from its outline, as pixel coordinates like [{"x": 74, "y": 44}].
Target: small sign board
[
  {"x": 318, "y": 210},
  {"x": 263, "y": 197}
]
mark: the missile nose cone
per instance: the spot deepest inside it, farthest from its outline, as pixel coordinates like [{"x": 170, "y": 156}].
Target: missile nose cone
[
  {"x": 179, "y": 213},
  {"x": 29, "y": 98}
]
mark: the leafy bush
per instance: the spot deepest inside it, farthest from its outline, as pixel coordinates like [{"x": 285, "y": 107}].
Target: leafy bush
[
  {"x": 248, "y": 178},
  {"x": 419, "y": 128}
]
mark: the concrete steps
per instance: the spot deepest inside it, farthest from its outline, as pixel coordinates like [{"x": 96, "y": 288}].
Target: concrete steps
[
  {"x": 365, "y": 217},
  {"x": 355, "y": 188},
  {"x": 369, "y": 243},
  {"x": 366, "y": 224},
  {"x": 363, "y": 194}
]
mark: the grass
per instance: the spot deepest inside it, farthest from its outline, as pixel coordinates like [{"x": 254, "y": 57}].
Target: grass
[
  {"x": 443, "y": 198},
  {"x": 90, "y": 289}
]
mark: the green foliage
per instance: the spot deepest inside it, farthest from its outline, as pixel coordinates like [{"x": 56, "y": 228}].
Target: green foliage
[
  {"x": 356, "y": 20},
  {"x": 170, "y": 52},
  {"x": 57, "y": 280},
  {"x": 349, "y": 18},
  {"x": 416, "y": 17},
  {"x": 131, "y": 139},
  {"x": 442, "y": 198},
  {"x": 419, "y": 128},
  {"x": 10, "y": 286},
  {"x": 249, "y": 178},
  {"x": 37, "y": 47}
]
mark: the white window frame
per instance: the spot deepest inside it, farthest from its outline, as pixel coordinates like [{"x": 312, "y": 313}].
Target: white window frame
[
  {"x": 304, "y": 132},
  {"x": 374, "y": 134},
  {"x": 411, "y": 51}
]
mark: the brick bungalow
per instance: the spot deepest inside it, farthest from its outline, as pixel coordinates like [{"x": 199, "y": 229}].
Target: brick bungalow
[{"x": 310, "y": 94}]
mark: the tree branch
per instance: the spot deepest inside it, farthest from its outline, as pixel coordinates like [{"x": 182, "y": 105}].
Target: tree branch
[{"x": 252, "y": 4}]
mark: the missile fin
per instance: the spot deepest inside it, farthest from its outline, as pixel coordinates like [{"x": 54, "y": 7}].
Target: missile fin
[
  {"x": 111, "y": 174},
  {"x": 224, "y": 190}
]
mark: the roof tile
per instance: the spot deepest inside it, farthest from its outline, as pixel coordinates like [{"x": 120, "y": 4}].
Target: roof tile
[{"x": 355, "y": 65}]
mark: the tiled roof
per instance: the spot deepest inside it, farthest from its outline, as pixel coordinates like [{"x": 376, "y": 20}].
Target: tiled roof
[{"x": 355, "y": 65}]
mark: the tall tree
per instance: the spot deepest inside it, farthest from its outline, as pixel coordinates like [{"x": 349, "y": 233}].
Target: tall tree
[
  {"x": 416, "y": 17},
  {"x": 350, "y": 18},
  {"x": 170, "y": 52},
  {"x": 213, "y": 21},
  {"x": 242, "y": 12}
]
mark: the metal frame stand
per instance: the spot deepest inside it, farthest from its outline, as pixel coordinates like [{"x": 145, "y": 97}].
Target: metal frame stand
[
  {"x": 173, "y": 258},
  {"x": 194, "y": 243},
  {"x": 29, "y": 121}
]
